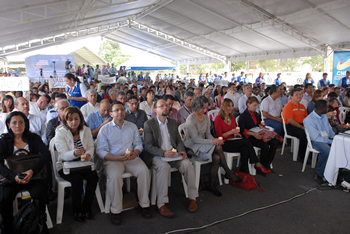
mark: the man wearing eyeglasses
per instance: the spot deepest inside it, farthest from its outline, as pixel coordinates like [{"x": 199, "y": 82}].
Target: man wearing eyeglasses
[
  {"x": 135, "y": 115},
  {"x": 119, "y": 144},
  {"x": 162, "y": 138}
]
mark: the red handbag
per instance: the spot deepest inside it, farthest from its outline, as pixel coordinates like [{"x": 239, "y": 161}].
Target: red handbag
[{"x": 248, "y": 181}]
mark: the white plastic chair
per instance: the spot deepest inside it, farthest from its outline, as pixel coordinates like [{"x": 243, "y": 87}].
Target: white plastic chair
[
  {"x": 342, "y": 113},
  {"x": 309, "y": 149},
  {"x": 237, "y": 119},
  {"x": 213, "y": 114},
  {"x": 25, "y": 193},
  {"x": 216, "y": 101},
  {"x": 197, "y": 164},
  {"x": 62, "y": 184},
  {"x": 295, "y": 142}
]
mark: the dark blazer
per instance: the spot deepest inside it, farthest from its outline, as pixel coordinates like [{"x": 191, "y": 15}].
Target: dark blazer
[
  {"x": 36, "y": 146},
  {"x": 51, "y": 128},
  {"x": 153, "y": 140},
  {"x": 246, "y": 122}
]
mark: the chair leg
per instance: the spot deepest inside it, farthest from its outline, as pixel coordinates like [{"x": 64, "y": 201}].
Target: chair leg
[
  {"x": 229, "y": 160},
  {"x": 154, "y": 187},
  {"x": 291, "y": 145},
  {"x": 283, "y": 144},
  {"x": 48, "y": 219},
  {"x": 305, "y": 159},
  {"x": 295, "y": 149},
  {"x": 99, "y": 198},
  {"x": 219, "y": 177},
  {"x": 128, "y": 184},
  {"x": 238, "y": 160},
  {"x": 314, "y": 159},
  {"x": 107, "y": 202},
  {"x": 60, "y": 203}
]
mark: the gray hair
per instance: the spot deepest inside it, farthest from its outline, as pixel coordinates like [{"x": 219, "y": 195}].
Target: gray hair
[
  {"x": 61, "y": 100},
  {"x": 198, "y": 102},
  {"x": 91, "y": 91},
  {"x": 120, "y": 93},
  {"x": 245, "y": 86},
  {"x": 188, "y": 94},
  {"x": 112, "y": 91}
]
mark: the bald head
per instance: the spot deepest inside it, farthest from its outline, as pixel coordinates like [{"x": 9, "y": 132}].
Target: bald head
[
  {"x": 22, "y": 105},
  {"x": 103, "y": 108}
]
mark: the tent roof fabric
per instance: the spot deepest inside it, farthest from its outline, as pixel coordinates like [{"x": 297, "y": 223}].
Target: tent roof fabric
[
  {"x": 147, "y": 63},
  {"x": 86, "y": 56},
  {"x": 189, "y": 31}
]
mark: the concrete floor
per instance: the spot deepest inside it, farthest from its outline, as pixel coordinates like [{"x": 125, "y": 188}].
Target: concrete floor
[{"x": 324, "y": 210}]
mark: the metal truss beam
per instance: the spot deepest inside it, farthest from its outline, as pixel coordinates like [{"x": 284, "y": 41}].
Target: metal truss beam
[
  {"x": 52, "y": 10},
  {"x": 159, "y": 34}
]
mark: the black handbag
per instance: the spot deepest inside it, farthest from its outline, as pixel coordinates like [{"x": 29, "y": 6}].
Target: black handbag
[{"x": 23, "y": 162}]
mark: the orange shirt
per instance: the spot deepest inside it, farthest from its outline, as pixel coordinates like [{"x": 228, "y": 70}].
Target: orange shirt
[{"x": 293, "y": 111}]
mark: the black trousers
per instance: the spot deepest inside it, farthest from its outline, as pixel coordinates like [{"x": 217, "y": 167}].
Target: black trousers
[
  {"x": 300, "y": 134},
  {"x": 8, "y": 193},
  {"x": 245, "y": 147},
  {"x": 268, "y": 150},
  {"x": 77, "y": 181}
]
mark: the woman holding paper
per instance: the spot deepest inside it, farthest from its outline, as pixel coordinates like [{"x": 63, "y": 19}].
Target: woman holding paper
[
  {"x": 74, "y": 142},
  {"x": 250, "y": 119},
  {"x": 225, "y": 127},
  {"x": 76, "y": 91}
]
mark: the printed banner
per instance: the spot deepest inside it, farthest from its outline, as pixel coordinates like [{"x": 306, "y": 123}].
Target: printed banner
[
  {"x": 14, "y": 84},
  {"x": 48, "y": 63},
  {"x": 57, "y": 83},
  {"x": 106, "y": 79},
  {"x": 341, "y": 64}
]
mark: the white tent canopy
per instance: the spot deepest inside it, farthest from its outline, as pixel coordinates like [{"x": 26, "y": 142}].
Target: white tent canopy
[
  {"x": 188, "y": 31},
  {"x": 145, "y": 62}
]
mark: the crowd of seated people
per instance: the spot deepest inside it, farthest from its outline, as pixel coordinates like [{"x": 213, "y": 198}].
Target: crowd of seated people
[{"x": 132, "y": 124}]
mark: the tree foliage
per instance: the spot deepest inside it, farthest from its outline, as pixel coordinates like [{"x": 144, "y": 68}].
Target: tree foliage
[
  {"x": 111, "y": 52},
  {"x": 315, "y": 62},
  {"x": 236, "y": 66},
  {"x": 290, "y": 64},
  {"x": 269, "y": 65}
]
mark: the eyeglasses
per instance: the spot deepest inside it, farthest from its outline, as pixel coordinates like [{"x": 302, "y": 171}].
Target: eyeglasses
[
  {"x": 162, "y": 106},
  {"x": 117, "y": 110}
]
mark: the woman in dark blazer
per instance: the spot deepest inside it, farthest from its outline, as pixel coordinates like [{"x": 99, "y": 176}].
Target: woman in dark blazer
[
  {"x": 250, "y": 119},
  {"x": 19, "y": 137}
]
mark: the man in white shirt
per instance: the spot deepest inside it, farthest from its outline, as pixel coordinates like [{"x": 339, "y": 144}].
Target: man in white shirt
[
  {"x": 307, "y": 97},
  {"x": 35, "y": 123},
  {"x": 52, "y": 113},
  {"x": 256, "y": 93},
  {"x": 39, "y": 108},
  {"x": 91, "y": 105},
  {"x": 161, "y": 137},
  {"x": 247, "y": 90},
  {"x": 271, "y": 108},
  {"x": 234, "y": 96},
  {"x": 71, "y": 69},
  {"x": 119, "y": 145}
]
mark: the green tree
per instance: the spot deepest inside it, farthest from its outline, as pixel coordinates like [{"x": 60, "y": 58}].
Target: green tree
[
  {"x": 111, "y": 52},
  {"x": 236, "y": 66},
  {"x": 268, "y": 65},
  {"x": 198, "y": 68},
  {"x": 290, "y": 64},
  {"x": 183, "y": 69},
  {"x": 315, "y": 62},
  {"x": 215, "y": 66}
]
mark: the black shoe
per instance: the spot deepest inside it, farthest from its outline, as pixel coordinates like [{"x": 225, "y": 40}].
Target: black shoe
[
  {"x": 215, "y": 191},
  {"x": 52, "y": 195},
  {"x": 89, "y": 215},
  {"x": 301, "y": 159},
  {"x": 116, "y": 219},
  {"x": 238, "y": 180},
  {"x": 79, "y": 217},
  {"x": 272, "y": 171},
  {"x": 146, "y": 212},
  {"x": 319, "y": 179}
]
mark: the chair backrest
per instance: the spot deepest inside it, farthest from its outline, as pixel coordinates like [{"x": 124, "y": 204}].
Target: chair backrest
[
  {"x": 182, "y": 128},
  {"x": 309, "y": 144},
  {"x": 261, "y": 114},
  {"x": 54, "y": 156},
  {"x": 284, "y": 125},
  {"x": 342, "y": 113},
  {"x": 237, "y": 119},
  {"x": 212, "y": 114},
  {"x": 216, "y": 101}
]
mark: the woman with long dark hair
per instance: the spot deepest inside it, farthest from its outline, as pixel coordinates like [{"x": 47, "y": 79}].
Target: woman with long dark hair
[
  {"x": 20, "y": 138},
  {"x": 76, "y": 91}
]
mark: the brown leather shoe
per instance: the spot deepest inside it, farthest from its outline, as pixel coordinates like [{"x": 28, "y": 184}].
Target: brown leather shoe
[
  {"x": 192, "y": 207},
  {"x": 164, "y": 211}
]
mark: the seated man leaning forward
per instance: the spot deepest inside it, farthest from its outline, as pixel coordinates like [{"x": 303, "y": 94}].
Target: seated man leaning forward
[
  {"x": 119, "y": 144},
  {"x": 321, "y": 135},
  {"x": 162, "y": 139}
]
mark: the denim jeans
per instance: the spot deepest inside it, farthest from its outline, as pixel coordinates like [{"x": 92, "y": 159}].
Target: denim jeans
[
  {"x": 276, "y": 125},
  {"x": 324, "y": 149}
]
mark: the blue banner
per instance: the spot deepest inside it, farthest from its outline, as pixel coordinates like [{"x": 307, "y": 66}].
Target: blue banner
[
  {"x": 341, "y": 64},
  {"x": 48, "y": 63}
]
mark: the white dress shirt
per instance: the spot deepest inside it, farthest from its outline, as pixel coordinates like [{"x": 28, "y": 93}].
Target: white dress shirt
[
  {"x": 306, "y": 99},
  {"x": 35, "y": 110},
  {"x": 87, "y": 109},
  {"x": 272, "y": 107},
  {"x": 146, "y": 108},
  {"x": 166, "y": 143},
  {"x": 51, "y": 114},
  {"x": 242, "y": 103},
  {"x": 236, "y": 97}
]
